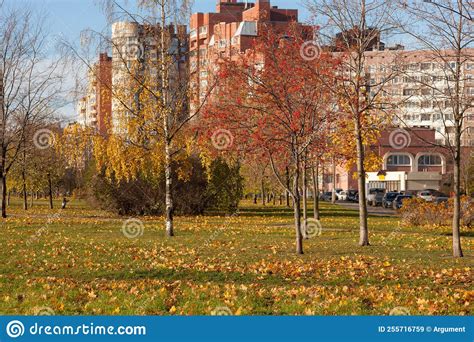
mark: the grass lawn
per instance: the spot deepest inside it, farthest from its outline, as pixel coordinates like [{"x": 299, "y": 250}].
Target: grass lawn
[{"x": 78, "y": 262}]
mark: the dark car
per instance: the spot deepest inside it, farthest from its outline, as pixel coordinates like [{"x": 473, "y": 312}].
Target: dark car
[
  {"x": 440, "y": 198},
  {"x": 398, "y": 201},
  {"x": 352, "y": 195},
  {"x": 388, "y": 198},
  {"x": 327, "y": 196}
]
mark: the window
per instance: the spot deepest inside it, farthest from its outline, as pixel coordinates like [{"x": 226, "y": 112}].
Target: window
[
  {"x": 203, "y": 30},
  {"x": 409, "y": 92},
  {"x": 425, "y": 66},
  {"x": 425, "y": 117},
  {"x": 193, "y": 33},
  {"x": 429, "y": 159},
  {"x": 425, "y": 104},
  {"x": 426, "y": 91},
  {"x": 398, "y": 160}
]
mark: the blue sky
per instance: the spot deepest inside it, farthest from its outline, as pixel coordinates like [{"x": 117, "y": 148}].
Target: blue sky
[{"x": 68, "y": 18}]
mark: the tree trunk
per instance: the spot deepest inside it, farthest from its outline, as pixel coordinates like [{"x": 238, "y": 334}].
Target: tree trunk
[
  {"x": 287, "y": 174},
  {"x": 334, "y": 174},
  {"x": 297, "y": 213},
  {"x": 50, "y": 188},
  {"x": 165, "y": 98},
  {"x": 297, "y": 203},
  {"x": 32, "y": 198},
  {"x": 262, "y": 190},
  {"x": 8, "y": 198},
  {"x": 4, "y": 196},
  {"x": 457, "y": 251},
  {"x": 305, "y": 200},
  {"x": 169, "y": 195},
  {"x": 315, "y": 174},
  {"x": 364, "y": 231},
  {"x": 458, "y": 117},
  {"x": 25, "y": 194}
]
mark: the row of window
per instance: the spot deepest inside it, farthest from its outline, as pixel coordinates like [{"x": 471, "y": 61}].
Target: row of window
[
  {"x": 419, "y": 67},
  {"x": 423, "y": 160}
]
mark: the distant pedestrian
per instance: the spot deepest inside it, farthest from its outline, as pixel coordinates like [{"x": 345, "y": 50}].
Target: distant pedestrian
[{"x": 63, "y": 205}]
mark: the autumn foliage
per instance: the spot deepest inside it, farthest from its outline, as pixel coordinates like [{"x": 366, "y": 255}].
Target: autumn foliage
[{"x": 277, "y": 105}]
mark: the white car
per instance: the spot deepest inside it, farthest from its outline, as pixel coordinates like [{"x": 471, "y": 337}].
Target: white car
[
  {"x": 341, "y": 196},
  {"x": 426, "y": 195}
]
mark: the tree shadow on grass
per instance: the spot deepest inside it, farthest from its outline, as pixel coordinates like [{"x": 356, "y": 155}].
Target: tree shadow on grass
[
  {"x": 463, "y": 234},
  {"x": 198, "y": 276}
]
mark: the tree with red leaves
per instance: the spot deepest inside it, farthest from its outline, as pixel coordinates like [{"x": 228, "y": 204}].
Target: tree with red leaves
[{"x": 275, "y": 102}]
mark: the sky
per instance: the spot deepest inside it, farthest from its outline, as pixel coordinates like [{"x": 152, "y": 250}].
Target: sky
[{"x": 68, "y": 18}]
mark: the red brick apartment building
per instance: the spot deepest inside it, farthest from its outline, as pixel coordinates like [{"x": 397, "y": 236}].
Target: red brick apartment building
[
  {"x": 229, "y": 31},
  {"x": 95, "y": 109}
]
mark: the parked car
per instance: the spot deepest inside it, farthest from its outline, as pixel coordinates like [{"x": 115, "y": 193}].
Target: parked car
[
  {"x": 327, "y": 196},
  {"x": 341, "y": 195},
  {"x": 441, "y": 198},
  {"x": 433, "y": 196},
  {"x": 375, "y": 196},
  {"x": 398, "y": 201},
  {"x": 352, "y": 195},
  {"x": 388, "y": 198},
  {"x": 427, "y": 195}
]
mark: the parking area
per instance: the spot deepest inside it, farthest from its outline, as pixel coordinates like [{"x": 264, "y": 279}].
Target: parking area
[{"x": 376, "y": 211}]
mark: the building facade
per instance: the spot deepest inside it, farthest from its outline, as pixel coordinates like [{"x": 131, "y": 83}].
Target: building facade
[
  {"x": 228, "y": 32},
  {"x": 95, "y": 108},
  {"x": 136, "y": 56},
  {"x": 411, "y": 161},
  {"x": 421, "y": 87}
]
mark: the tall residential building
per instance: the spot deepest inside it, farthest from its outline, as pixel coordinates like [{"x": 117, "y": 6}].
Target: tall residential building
[
  {"x": 421, "y": 87},
  {"x": 95, "y": 107},
  {"x": 229, "y": 31},
  {"x": 136, "y": 53}
]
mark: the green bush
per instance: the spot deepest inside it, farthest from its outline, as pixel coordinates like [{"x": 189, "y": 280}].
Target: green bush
[{"x": 200, "y": 192}]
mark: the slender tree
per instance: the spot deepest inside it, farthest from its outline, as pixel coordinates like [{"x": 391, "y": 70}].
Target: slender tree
[
  {"x": 29, "y": 84},
  {"x": 353, "y": 27},
  {"x": 444, "y": 29},
  {"x": 279, "y": 110}
]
